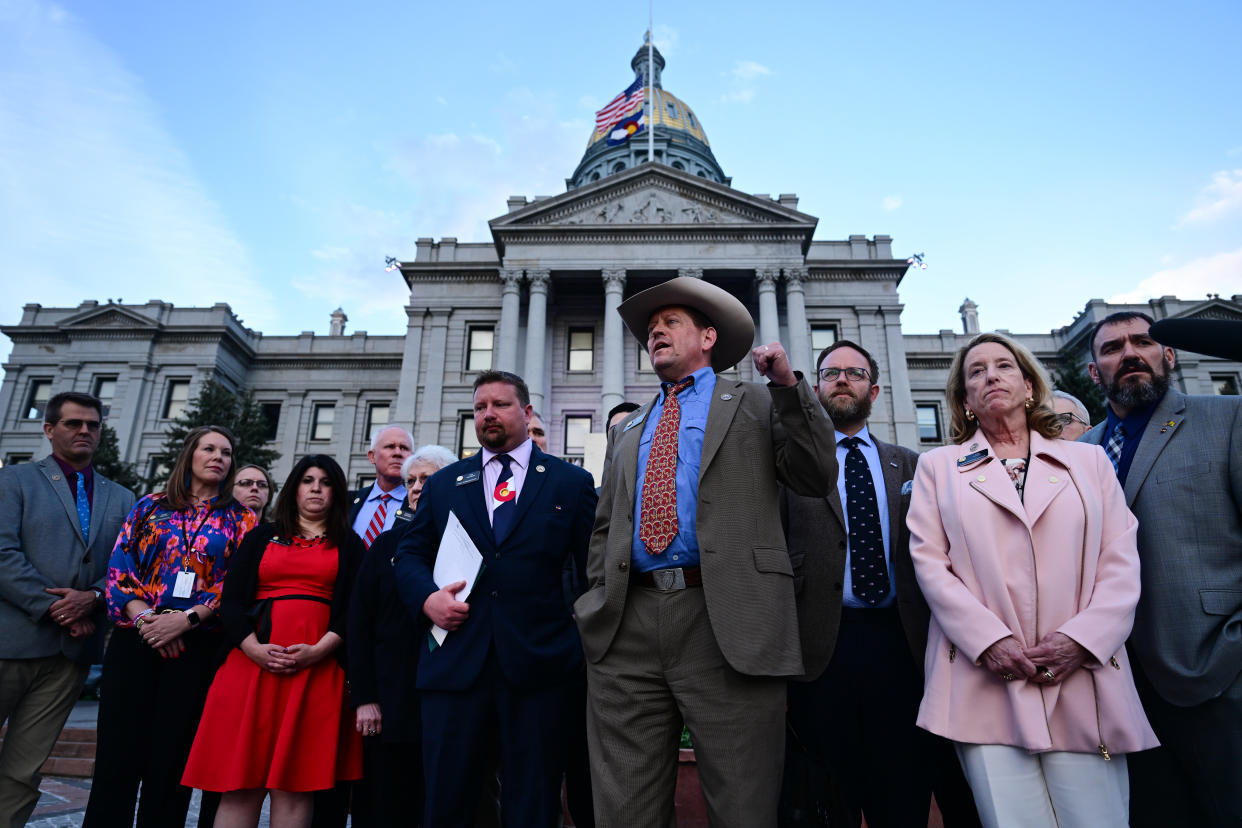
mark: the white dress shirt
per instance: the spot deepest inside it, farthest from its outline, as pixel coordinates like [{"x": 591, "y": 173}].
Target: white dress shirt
[
  {"x": 372, "y": 503},
  {"x": 872, "y": 454},
  {"x": 519, "y": 463}
]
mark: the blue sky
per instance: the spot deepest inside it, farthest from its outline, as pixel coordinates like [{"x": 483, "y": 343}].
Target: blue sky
[{"x": 269, "y": 153}]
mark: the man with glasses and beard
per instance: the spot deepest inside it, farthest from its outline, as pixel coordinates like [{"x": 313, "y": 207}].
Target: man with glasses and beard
[
  {"x": 1179, "y": 460},
  {"x": 863, "y": 619}
]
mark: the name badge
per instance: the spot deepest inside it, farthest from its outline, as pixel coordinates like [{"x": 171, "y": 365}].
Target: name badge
[
  {"x": 463, "y": 479},
  {"x": 973, "y": 457},
  {"x": 184, "y": 587}
]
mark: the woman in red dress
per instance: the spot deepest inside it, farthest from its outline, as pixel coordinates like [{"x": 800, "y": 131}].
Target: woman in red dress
[{"x": 275, "y": 716}]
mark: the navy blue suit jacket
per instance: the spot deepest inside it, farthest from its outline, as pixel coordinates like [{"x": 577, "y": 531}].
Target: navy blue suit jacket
[{"x": 517, "y": 604}]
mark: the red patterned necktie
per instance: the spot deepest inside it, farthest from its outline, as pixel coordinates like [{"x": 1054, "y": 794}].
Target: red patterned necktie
[
  {"x": 377, "y": 520},
  {"x": 657, "y": 524}
]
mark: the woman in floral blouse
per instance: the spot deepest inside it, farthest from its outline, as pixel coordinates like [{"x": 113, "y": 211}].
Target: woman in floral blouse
[{"x": 164, "y": 581}]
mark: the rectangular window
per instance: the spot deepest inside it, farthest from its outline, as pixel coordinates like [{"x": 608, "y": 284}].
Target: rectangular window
[
  {"x": 577, "y": 427},
  {"x": 178, "y": 396},
  {"x": 14, "y": 459},
  {"x": 377, "y": 418},
  {"x": 365, "y": 481},
  {"x": 480, "y": 341},
  {"x": 644, "y": 360},
  {"x": 821, "y": 337},
  {"x": 271, "y": 419},
  {"x": 581, "y": 349},
  {"x": 929, "y": 423},
  {"x": 467, "y": 440},
  {"x": 1225, "y": 384},
  {"x": 36, "y": 399},
  {"x": 157, "y": 469},
  {"x": 105, "y": 389},
  {"x": 323, "y": 415}
]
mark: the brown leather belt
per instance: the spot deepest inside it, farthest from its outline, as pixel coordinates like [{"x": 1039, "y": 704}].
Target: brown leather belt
[{"x": 670, "y": 579}]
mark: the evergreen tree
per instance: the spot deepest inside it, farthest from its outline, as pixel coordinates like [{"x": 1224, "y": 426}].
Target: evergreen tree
[
  {"x": 217, "y": 405},
  {"x": 108, "y": 462},
  {"x": 1072, "y": 378}
]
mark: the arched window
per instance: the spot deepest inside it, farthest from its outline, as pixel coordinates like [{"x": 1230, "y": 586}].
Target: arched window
[
  {"x": 690, "y": 119},
  {"x": 677, "y": 165},
  {"x": 618, "y": 167},
  {"x": 701, "y": 173},
  {"x": 671, "y": 108},
  {"x": 595, "y": 176}
]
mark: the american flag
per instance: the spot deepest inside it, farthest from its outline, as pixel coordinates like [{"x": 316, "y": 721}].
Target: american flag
[{"x": 620, "y": 106}]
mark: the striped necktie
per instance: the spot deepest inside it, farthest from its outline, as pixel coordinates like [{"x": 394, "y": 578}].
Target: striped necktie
[
  {"x": 377, "y": 520},
  {"x": 1115, "y": 443}
]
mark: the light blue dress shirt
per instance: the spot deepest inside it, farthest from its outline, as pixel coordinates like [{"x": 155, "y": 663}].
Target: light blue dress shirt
[
  {"x": 872, "y": 455},
  {"x": 695, "y": 402}
]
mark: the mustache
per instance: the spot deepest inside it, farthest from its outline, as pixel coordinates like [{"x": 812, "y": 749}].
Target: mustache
[{"x": 1134, "y": 364}]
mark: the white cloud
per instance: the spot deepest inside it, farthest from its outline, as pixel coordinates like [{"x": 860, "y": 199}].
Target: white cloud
[
  {"x": 891, "y": 203},
  {"x": 1221, "y": 273},
  {"x": 98, "y": 199},
  {"x": 743, "y": 79},
  {"x": 1219, "y": 198}
]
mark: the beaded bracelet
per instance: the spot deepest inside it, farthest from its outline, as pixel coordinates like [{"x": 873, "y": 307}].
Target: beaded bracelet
[{"x": 138, "y": 619}]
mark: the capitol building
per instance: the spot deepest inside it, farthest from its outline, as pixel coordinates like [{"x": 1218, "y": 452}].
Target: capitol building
[{"x": 538, "y": 299}]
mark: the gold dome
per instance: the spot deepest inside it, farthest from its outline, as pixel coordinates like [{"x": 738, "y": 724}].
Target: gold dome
[{"x": 671, "y": 112}]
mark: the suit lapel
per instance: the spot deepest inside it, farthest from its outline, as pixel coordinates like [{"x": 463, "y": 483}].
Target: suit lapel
[
  {"x": 103, "y": 493},
  {"x": 536, "y": 473},
  {"x": 719, "y": 416},
  {"x": 892, "y": 488},
  {"x": 626, "y": 450},
  {"x": 56, "y": 479},
  {"x": 471, "y": 508},
  {"x": 990, "y": 479},
  {"x": 1155, "y": 437},
  {"x": 1046, "y": 476}
]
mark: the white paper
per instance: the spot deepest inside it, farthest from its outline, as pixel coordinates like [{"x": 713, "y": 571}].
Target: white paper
[{"x": 457, "y": 560}]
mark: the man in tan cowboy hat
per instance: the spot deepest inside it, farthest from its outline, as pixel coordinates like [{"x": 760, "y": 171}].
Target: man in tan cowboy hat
[{"x": 690, "y": 613}]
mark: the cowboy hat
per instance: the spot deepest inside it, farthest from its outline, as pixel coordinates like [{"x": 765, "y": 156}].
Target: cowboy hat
[{"x": 735, "y": 329}]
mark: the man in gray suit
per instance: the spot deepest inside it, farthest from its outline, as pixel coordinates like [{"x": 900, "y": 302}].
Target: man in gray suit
[
  {"x": 58, "y": 523},
  {"x": 1179, "y": 459},
  {"x": 690, "y": 611},
  {"x": 864, "y": 629}
]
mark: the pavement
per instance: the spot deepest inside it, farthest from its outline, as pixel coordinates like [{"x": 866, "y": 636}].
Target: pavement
[{"x": 62, "y": 803}]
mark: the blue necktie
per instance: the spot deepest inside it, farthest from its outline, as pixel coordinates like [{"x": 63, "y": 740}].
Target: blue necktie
[
  {"x": 505, "y": 496},
  {"x": 84, "y": 507},
  {"x": 868, "y": 569}
]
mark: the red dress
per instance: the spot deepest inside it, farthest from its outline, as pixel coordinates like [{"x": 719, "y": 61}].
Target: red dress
[{"x": 288, "y": 733}]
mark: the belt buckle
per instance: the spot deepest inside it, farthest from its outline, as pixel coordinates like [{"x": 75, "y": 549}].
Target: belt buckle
[{"x": 671, "y": 579}]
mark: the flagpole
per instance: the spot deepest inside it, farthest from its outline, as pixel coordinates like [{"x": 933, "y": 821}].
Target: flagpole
[{"x": 650, "y": 81}]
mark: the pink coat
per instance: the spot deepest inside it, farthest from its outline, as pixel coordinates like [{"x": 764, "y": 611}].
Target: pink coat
[{"x": 991, "y": 565}]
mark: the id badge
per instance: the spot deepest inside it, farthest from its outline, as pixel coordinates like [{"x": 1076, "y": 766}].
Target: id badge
[{"x": 184, "y": 587}]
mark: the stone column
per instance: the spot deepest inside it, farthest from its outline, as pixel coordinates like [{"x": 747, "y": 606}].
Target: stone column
[
  {"x": 343, "y": 438},
  {"x": 614, "y": 340},
  {"x": 905, "y": 420},
  {"x": 800, "y": 356},
  {"x": 510, "y": 304},
  {"x": 411, "y": 356},
  {"x": 536, "y": 335},
  {"x": 429, "y": 413},
  {"x": 769, "y": 321}
]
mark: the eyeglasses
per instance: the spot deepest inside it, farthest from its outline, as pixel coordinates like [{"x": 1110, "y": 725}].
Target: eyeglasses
[
  {"x": 76, "y": 425},
  {"x": 250, "y": 484},
  {"x": 1068, "y": 417},
  {"x": 855, "y": 374}
]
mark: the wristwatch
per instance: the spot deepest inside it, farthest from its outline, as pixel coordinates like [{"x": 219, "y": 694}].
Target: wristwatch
[
  {"x": 99, "y": 593},
  {"x": 192, "y": 617}
]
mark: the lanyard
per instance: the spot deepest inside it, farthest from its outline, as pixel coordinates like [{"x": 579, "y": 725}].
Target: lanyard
[{"x": 188, "y": 543}]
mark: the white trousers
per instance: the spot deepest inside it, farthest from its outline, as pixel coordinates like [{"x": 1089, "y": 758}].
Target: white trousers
[{"x": 1017, "y": 789}]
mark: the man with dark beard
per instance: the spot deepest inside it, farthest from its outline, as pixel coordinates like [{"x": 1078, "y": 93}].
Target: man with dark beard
[
  {"x": 1179, "y": 459},
  {"x": 863, "y": 620}
]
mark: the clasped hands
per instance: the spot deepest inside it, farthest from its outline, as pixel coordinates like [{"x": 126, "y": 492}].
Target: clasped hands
[
  {"x": 283, "y": 661},
  {"x": 1048, "y": 662},
  {"x": 73, "y": 610}
]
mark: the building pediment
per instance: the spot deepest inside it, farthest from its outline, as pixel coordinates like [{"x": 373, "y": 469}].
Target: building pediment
[
  {"x": 650, "y": 197},
  {"x": 110, "y": 317},
  {"x": 1214, "y": 309}
]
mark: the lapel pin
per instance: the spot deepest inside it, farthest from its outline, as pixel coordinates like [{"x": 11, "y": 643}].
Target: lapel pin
[
  {"x": 539, "y": 468},
  {"x": 974, "y": 446},
  {"x": 459, "y": 478},
  {"x": 1167, "y": 426},
  {"x": 56, "y": 477},
  {"x": 356, "y": 499},
  {"x": 891, "y": 463},
  {"x": 726, "y": 397}
]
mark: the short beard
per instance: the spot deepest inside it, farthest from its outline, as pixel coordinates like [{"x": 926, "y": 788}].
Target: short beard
[
  {"x": 848, "y": 411},
  {"x": 1136, "y": 395}
]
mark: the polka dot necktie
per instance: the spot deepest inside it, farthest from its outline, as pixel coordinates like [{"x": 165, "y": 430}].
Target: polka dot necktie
[
  {"x": 657, "y": 525},
  {"x": 505, "y": 498},
  {"x": 1115, "y": 443},
  {"x": 868, "y": 570},
  {"x": 84, "y": 507},
  {"x": 377, "y": 520}
]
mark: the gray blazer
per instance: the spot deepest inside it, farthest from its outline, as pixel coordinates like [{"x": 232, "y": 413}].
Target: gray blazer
[
  {"x": 1185, "y": 488},
  {"x": 815, "y": 527},
  {"x": 41, "y": 546},
  {"x": 756, "y": 435}
]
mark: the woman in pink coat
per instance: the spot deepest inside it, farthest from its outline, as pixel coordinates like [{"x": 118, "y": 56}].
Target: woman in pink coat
[{"x": 1025, "y": 551}]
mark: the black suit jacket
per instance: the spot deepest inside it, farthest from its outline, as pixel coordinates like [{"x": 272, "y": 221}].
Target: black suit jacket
[
  {"x": 815, "y": 530},
  {"x": 517, "y": 605}
]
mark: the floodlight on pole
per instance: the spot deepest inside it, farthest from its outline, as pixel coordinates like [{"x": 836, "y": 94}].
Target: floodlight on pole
[
  {"x": 392, "y": 264},
  {"x": 917, "y": 261}
]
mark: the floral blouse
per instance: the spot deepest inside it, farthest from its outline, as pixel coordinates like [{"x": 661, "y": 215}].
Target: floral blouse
[{"x": 157, "y": 544}]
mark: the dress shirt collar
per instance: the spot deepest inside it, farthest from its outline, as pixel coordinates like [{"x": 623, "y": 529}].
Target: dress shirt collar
[
  {"x": 71, "y": 473},
  {"x": 700, "y": 381},
  {"x": 398, "y": 494},
  {"x": 519, "y": 455},
  {"x": 864, "y": 435},
  {"x": 1134, "y": 421}
]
